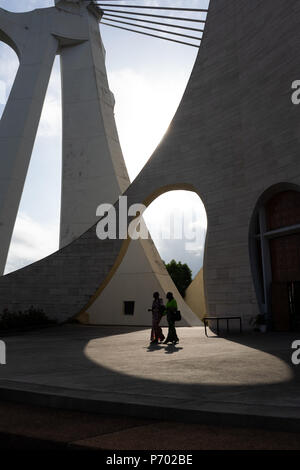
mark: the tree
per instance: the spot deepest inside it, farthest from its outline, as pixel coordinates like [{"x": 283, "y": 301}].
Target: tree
[{"x": 180, "y": 274}]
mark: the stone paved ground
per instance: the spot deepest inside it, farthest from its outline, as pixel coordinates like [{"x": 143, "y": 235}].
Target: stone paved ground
[
  {"x": 32, "y": 427},
  {"x": 240, "y": 376}
]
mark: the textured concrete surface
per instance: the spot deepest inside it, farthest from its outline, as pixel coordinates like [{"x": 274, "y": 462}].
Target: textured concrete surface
[
  {"x": 93, "y": 168},
  {"x": 245, "y": 380},
  {"x": 33, "y": 427}
]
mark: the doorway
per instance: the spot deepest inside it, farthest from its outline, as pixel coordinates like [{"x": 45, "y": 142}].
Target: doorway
[{"x": 277, "y": 259}]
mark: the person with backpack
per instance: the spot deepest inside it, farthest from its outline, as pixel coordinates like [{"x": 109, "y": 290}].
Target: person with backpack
[
  {"x": 157, "y": 312},
  {"x": 171, "y": 309}
]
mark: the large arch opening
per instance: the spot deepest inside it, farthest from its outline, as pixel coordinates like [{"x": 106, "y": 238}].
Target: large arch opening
[
  {"x": 275, "y": 256},
  {"x": 127, "y": 296},
  {"x": 177, "y": 223}
]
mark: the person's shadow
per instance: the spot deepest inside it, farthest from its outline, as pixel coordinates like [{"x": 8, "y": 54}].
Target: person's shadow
[
  {"x": 172, "y": 348},
  {"x": 169, "y": 349},
  {"x": 154, "y": 347}
]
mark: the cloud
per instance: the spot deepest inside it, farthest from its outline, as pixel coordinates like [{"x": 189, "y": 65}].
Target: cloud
[
  {"x": 7, "y": 73},
  {"x": 176, "y": 249},
  {"x": 173, "y": 3},
  {"x": 28, "y": 5},
  {"x": 145, "y": 106},
  {"x": 51, "y": 118},
  {"x": 177, "y": 223},
  {"x": 31, "y": 241}
]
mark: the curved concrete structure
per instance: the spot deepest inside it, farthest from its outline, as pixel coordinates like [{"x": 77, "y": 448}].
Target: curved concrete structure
[
  {"x": 195, "y": 297},
  {"x": 235, "y": 134},
  {"x": 93, "y": 168}
]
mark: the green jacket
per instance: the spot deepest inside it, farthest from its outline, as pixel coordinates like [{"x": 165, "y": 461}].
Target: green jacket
[{"x": 171, "y": 306}]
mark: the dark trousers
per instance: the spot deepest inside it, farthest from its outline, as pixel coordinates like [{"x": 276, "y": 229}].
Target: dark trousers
[{"x": 172, "y": 335}]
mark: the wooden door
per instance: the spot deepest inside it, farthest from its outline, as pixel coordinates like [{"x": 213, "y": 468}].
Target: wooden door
[{"x": 283, "y": 210}]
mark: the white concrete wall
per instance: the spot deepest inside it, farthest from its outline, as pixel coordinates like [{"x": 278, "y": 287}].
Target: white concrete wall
[
  {"x": 195, "y": 295},
  {"x": 136, "y": 281},
  {"x": 93, "y": 168}
]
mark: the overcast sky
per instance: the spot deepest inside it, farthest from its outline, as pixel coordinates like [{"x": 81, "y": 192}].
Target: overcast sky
[{"x": 148, "y": 77}]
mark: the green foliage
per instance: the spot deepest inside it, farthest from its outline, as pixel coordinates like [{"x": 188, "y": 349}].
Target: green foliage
[
  {"x": 22, "y": 320},
  {"x": 180, "y": 274}
]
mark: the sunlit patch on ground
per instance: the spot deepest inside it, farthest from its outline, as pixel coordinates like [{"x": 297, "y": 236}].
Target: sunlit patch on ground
[{"x": 195, "y": 360}]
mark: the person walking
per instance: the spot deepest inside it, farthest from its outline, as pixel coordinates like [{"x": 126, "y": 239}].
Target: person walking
[
  {"x": 157, "y": 310},
  {"x": 171, "y": 308}
]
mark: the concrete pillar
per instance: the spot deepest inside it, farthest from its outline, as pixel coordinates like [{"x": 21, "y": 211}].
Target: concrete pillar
[
  {"x": 93, "y": 168},
  {"x": 20, "y": 121}
]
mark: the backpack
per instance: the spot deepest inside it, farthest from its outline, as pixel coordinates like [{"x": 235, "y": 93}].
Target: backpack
[{"x": 177, "y": 315}]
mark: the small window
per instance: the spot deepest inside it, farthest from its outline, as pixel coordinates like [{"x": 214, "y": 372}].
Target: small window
[{"x": 129, "y": 307}]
